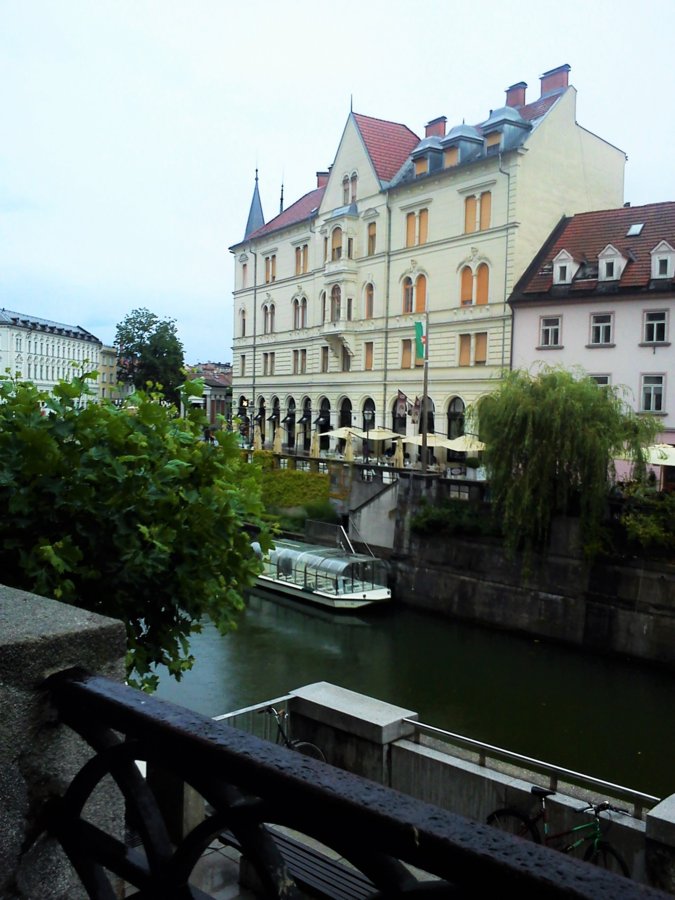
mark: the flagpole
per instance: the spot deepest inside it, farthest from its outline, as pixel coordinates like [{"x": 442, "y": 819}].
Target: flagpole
[{"x": 425, "y": 388}]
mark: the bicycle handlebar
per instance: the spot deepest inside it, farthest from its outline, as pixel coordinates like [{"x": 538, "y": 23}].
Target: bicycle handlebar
[{"x": 602, "y": 807}]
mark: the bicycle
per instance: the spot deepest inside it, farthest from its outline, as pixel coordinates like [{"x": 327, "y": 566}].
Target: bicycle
[
  {"x": 305, "y": 747},
  {"x": 589, "y": 834}
]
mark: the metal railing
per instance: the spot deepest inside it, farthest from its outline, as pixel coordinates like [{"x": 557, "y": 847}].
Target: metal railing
[
  {"x": 248, "y": 783},
  {"x": 558, "y": 778}
]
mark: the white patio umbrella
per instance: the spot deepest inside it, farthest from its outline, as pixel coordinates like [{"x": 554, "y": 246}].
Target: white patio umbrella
[
  {"x": 433, "y": 440},
  {"x": 661, "y": 455},
  {"x": 379, "y": 434},
  {"x": 466, "y": 443},
  {"x": 344, "y": 432}
]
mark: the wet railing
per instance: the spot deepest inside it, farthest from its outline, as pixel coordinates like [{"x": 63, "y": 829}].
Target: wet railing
[{"x": 404, "y": 847}]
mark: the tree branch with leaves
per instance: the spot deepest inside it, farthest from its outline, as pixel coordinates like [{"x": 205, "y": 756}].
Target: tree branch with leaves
[{"x": 149, "y": 353}]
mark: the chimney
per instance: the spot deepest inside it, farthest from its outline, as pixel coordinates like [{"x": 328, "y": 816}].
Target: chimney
[
  {"x": 555, "y": 79},
  {"x": 515, "y": 95},
  {"x": 436, "y": 128},
  {"x": 322, "y": 179}
]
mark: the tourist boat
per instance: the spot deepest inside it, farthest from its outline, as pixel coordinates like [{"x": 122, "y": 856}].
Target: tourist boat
[{"x": 326, "y": 576}]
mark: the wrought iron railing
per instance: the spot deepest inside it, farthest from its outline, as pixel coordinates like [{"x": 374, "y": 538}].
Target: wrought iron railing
[{"x": 248, "y": 784}]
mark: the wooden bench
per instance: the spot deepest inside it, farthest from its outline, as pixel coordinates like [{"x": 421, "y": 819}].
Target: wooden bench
[{"x": 315, "y": 873}]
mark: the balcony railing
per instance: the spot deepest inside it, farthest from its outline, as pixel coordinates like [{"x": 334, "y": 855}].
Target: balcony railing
[{"x": 248, "y": 784}]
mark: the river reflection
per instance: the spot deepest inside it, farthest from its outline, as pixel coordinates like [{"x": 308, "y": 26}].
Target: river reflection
[{"x": 602, "y": 716}]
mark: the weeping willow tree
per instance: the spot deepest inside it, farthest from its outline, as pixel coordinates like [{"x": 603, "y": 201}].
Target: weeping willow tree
[{"x": 551, "y": 440}]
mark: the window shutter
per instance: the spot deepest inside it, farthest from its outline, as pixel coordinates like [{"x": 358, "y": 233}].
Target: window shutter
[
  {"x": 464, "y": 349},
  {"x": 480, "y": 349},
  {"x": 482, "y": 284},
  {"x": 410, "y": 230},
  {"x": 485, "y": 210},
  {"x": 369, "y": 355},
  {"x": 424, "y": 226},
  {"x": 466, "y": 288},
  {"x": 406, "y": 354},
  {"x": 469, "y": 214},
  {"x": 421, "y": 294},
  {"x": 451, "y": 157}
]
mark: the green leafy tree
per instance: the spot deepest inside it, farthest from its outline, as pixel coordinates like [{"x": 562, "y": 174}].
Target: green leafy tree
[
  {"x": 126, "y": 512},
  {"x": 149, "y": 352},
  {"x": 551, "y": 440}
]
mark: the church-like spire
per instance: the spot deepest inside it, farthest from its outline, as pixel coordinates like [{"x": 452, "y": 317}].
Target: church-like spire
[{"x": 256, "y": 219}]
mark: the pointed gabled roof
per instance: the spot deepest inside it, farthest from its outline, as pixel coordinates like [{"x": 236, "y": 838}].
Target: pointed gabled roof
[
  {"x": 585, "y": 235},
  {"x": 256, "y": 219},
  {"x": 299, "y": 211},
  {"x": 388, "y": 144}
]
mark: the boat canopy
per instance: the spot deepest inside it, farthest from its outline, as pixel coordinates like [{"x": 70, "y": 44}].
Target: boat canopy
[{"x": 301, "y": 563}]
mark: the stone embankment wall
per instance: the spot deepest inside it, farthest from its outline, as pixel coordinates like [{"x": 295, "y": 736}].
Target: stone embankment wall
[{"x": 625, "y": 608}]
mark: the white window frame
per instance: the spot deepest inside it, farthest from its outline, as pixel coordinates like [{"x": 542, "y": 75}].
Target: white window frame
[
  {"x": 653, "y": 395},
  {"x": 545, "y": 331},
  {"x": 564, "y": 268},
  {"x": 663, "y": 252},
  {"x": 601, "y": 328},
  {"x": 654, "y": 325},
  {"x": 610, "y": 255}
]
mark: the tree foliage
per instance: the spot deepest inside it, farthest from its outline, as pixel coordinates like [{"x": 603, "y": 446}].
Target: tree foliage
[
  {"x": 551, "y": 440},
  {"x": 149, "y": 352},
  {"x": 125, "y": 512}
]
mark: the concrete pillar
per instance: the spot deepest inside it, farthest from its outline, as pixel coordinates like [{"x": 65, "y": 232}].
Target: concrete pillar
[
  {"x": 39, "y": 758},
  {"x": 355, "y": 732},
  {"x": 660, "y": 845}
]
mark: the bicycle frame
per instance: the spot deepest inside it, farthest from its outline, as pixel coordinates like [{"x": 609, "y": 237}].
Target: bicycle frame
[{"x": 555, "y": 839}]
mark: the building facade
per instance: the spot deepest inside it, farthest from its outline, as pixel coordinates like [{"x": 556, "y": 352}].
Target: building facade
[
  {"x": 46, "y": 352},
  {"x": 600, "y": 295},
  {"x": 407, "y": 247}
]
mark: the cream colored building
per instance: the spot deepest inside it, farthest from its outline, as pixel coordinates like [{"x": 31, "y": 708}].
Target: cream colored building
[
  {"x": 399, "y": 231},
  {"x": 46, "y": 352}
]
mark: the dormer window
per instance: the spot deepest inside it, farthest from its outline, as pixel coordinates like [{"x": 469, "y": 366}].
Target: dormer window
[
  {"x": 421, "y": 166},
  {"x": 610, "y": 264},
  {"x": 663, "y": 261},
  {"x": 451, "y": 157},
  {"x": 564, "y": 268},
  {"x": 493, "y": 142}
]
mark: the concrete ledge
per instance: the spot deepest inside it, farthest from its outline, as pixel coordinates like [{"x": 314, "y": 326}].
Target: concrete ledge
[
  {"x": 361, "y": 716},
  {"x": 661, "y": 822}
]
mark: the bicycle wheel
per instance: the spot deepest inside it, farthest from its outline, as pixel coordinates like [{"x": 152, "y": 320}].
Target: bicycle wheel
[
  {"x": 603, "y": 854},
  {"x": 514, "y": 822},
  {"x": 308, "y": 749}
]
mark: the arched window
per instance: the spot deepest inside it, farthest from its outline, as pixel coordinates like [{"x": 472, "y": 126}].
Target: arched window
[
  {"x": 429, "y": 406},
  {"x": 323, "y": 423},
  {"x": 271, "y": 318},
  {"x": 266, "y": 319},
  {"x": 421, "y": 294},
  {"x": 407, "y": 295},
  {"x": 305, "y": 424},
  {"x": 335, "y": 303},
  {"x": 353, "y": 182},
  {"x": 322, "y": 300},
  {"x": 296, "y": 313},
  {"x": 345, "y": 190},
  {"x": 466, "y": 287},
  {"x": 369, "y": 304},
  {"x": 456, "y": 418},
  {"x": 289, "y": 422},
  {"x": 336, "y": 244},
  {"x": 303, "y": 313},
  {"x": 482, "y": 284},
  {"x": 345, "y": 418}
]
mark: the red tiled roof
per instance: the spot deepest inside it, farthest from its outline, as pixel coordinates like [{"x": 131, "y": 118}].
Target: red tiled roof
[
  {"x": 539, "y": 107},
  {"x": 388, "y": 144},
  {"x": 586, "y": 235},
  {"x": 296, "y": 212}
]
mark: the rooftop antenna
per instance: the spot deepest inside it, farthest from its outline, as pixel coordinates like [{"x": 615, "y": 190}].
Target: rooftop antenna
[{"x": 351, "y": 103}]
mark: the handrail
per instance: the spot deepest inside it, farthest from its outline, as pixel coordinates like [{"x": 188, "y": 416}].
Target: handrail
[
  {"x": 639, "y": 800},
  {"x": 248, "y": 782}
]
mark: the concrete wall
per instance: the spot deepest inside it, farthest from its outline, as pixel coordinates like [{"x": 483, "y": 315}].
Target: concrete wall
[{"x": 38, "y": 758}]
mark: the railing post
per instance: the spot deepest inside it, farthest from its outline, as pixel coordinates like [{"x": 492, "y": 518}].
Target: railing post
[
  {"x": 660, "y": 845},
  {"x": 38, "y": 758}
]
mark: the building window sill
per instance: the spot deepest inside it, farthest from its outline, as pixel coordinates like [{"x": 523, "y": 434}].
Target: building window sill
[
  {"x": 599, "y": 346},
  {"x": 550, "y": 347}
]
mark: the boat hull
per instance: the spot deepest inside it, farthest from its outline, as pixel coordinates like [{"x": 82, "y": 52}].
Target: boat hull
[{"x": 328, "y": 601}]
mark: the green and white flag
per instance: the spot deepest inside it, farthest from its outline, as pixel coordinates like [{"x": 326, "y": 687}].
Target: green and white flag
[{"x": 420, "y": 341}]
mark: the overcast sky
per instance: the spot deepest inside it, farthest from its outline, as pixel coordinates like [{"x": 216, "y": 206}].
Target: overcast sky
[{"x": 131, "y": 130}]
